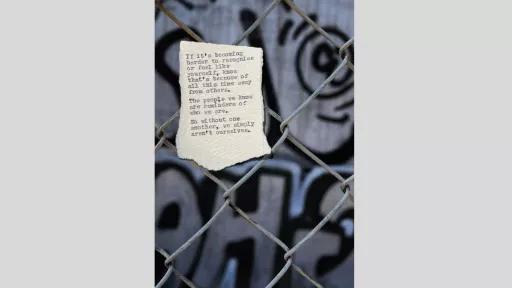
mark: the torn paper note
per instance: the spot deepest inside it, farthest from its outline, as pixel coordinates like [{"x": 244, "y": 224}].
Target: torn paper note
[{"x": 221, "y": 116}]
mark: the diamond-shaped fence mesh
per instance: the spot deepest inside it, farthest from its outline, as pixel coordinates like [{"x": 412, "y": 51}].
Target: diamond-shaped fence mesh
[{"x": 345, "y": 184}]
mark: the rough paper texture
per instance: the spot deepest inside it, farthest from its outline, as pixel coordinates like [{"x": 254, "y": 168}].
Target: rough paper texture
[{"x": 221, "y": 116}]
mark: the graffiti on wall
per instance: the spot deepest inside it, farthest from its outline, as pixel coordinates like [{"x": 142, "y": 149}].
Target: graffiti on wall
[
  {"x": 279, "y": 197},
  {"x": 289, "y": 195}
]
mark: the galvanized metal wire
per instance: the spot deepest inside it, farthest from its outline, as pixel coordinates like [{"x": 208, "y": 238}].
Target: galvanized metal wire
[{"x": 346, "y": 188}]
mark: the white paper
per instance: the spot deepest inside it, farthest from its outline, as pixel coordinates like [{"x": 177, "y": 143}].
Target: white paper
[{"x": 221, "y": 115}]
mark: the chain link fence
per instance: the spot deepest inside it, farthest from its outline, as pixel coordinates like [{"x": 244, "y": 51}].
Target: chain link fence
[{"x": 345, "y": 184}]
